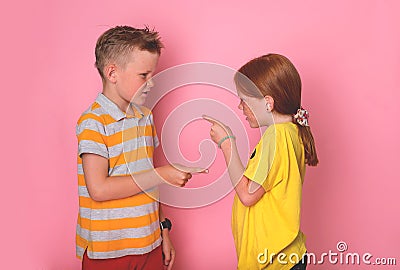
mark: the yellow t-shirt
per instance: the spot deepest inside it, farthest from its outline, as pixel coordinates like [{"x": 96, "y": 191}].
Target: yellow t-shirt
[{"x": 267, "y": 234}]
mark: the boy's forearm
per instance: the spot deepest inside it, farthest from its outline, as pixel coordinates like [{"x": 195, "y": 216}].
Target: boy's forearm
[
  {"x": 119, "y": 187},
  {"x": 164, "y": 233}
]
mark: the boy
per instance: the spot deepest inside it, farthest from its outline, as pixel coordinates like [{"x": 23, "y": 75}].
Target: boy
[{"x": 118, "y": 224}]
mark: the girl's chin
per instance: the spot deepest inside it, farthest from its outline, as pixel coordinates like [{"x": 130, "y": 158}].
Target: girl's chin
[{"x": 252, "y": 124}]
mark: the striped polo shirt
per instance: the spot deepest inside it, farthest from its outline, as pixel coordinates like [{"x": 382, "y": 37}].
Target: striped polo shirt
[{"x": 128, "y": 226}]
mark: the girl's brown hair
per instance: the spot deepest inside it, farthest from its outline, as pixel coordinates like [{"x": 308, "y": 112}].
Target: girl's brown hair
[{"x": 274, "y": 75}]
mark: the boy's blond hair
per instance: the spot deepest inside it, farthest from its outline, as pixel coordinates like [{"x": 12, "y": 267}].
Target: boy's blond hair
[{"x": 115, "y": 44}]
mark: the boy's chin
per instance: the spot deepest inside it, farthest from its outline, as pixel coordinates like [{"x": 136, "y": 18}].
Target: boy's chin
[{"x": 139, "y": 101}]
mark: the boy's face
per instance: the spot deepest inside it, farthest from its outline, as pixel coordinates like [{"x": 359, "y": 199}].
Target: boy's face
[{"x": 134, "y": 80}]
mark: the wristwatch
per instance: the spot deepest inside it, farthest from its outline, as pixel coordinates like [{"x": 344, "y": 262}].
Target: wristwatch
[{"x": 166, "y": 224}]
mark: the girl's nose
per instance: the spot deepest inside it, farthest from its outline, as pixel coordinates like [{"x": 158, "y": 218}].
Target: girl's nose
[{"x": 240, "y": 106}]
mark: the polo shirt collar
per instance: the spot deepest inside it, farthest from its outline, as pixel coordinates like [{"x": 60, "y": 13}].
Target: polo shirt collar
[{"x": 114, "y": 111}]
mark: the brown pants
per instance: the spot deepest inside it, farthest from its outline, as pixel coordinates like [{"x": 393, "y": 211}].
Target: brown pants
[{"x": 152, "y": 260}]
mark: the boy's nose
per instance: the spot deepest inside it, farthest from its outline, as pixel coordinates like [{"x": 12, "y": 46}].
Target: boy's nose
[{"x": 150, "y": 83}]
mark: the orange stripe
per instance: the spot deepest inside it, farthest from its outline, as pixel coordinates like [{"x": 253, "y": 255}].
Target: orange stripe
[
  {"x": 92, "y": 135},
  {"x": 95, "y": 106},
  {"x": 137, "y": 200},
  {"x": 81, "y": 180},
  {"x": 81, "y": 242},
  {"x": 118, "y": 224},
  {"x": 105, "y": 119},
  {"x": 129, "y": 134},
  {"x": 104, "y": 246},
  {"x": 89, "y": 116},
  {"x": 137, "y": 154},
  {"x": 126, "y": 243}
]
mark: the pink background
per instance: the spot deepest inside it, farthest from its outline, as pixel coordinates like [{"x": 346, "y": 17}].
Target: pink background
[{"x": 347, "y": 53}]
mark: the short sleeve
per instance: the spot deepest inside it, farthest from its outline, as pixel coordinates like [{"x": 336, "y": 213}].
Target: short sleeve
[
  {"x": 154, "y": 132},
  {"x": 91, "y": 137},
  {"x": 261, "y": 161}
]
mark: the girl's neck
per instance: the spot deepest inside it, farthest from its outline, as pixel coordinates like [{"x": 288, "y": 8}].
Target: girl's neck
[{"x": 281, "y": 118}]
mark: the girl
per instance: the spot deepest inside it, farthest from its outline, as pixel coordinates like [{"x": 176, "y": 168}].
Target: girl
[{"x": 266, "y": 208}]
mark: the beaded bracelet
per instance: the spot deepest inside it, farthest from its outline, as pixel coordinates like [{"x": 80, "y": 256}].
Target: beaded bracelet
[{"x": 224, "y": 139}]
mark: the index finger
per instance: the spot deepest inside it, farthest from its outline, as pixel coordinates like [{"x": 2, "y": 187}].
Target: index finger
[
  {"x": 190, "y": 170},
  {"x": 171, "y": 263},
  {"x": 212, "y": 120}
]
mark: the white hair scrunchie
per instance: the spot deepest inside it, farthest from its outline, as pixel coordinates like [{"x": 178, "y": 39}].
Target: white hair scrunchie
[{"x": 301, "y": 117}]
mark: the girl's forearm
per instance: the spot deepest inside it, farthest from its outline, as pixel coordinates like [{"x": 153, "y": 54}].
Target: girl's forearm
[
  {"x": 233, "y": 162},
  {"x": 241, "y": 183}
]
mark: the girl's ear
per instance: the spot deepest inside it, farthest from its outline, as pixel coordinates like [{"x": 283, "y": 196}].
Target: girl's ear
[
  {"x": 269, "y": 103},
  {"x": 110, "y": 73}
]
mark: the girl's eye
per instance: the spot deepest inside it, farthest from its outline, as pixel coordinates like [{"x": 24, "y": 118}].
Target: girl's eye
[{"x": 144, "y": 75}]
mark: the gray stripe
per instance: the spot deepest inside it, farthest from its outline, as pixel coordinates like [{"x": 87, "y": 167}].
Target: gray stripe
[
  {"x": 86, "y": 146},
  {"x": 79, "y": 251},
  {"x": 90, "y": 124},
  {"x": 129, "y": 123},
  {"x": 83, "y": 192},
  {"x": 124, "y": 252},
  {"x": 130, "y": 145},
  {"x": 80, "y": 169},
  {"x": 116, "y": 213},
  {"x": 132, "y": 167},
  {"x": 156, "y": 142},
  {"x": 112, "y": 128},
  {"x": 112, "y": 235}
]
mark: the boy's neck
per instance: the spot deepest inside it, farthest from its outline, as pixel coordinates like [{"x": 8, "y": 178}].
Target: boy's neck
[{"x": 112, "y": 95}]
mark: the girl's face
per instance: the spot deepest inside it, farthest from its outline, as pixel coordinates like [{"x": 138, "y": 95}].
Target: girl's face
[{"x": 255, "y": 110}]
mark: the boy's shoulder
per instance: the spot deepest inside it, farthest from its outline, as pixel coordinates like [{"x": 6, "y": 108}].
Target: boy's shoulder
[{"x": 95, "y": 112}]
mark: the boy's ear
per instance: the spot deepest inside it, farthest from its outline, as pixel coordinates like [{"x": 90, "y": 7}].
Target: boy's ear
[
  {"x": 110, "y": 73},
  {"x": 270, "y": 102}
]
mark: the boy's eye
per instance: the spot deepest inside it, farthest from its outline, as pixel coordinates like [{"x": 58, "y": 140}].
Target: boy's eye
[{"x": 144, "y": 75}]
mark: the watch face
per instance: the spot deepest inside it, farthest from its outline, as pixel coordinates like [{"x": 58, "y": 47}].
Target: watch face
[
  {"x": 169, "y": 224},
  {"x": 166, "y": 224}
]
